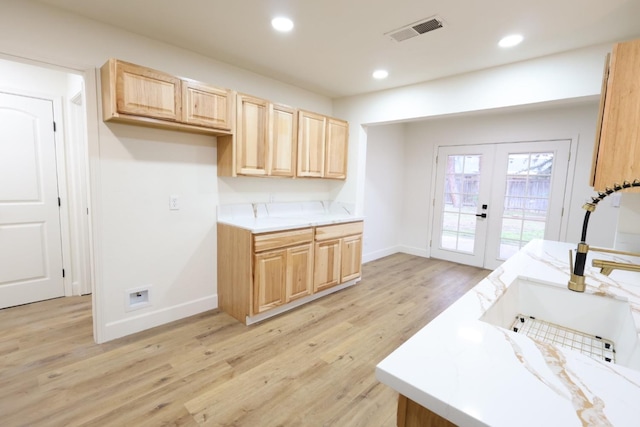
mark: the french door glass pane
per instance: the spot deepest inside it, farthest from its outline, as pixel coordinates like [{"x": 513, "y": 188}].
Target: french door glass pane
[
  {"x": 526, "y": 200},
  {"x": 461, "y": 187}
]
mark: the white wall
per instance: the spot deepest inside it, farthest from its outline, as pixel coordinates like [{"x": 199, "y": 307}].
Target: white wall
[
  {"x": 575, "y": 122},
  {"x": 628, "y": 232},
  {"x": 413, "y": 179},
  {"x": 383, "y": 191},
  {"x": 556, "y": 78},
  {"x": 137, "y": 240}
]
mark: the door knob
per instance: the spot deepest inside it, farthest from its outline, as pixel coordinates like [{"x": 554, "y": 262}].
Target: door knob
[{"x": 482, "y": 215}]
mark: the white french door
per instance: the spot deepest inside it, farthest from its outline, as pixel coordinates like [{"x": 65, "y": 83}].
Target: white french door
[{"x": 492, "y": 199}]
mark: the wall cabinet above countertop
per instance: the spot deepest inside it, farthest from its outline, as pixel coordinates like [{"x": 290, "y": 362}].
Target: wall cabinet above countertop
[
  {"x": 256, "y": 138},
  {"x": 617, "y": 151},
  {"x": 273, "y": 140},
  {"x": 143, "y": 96},
  {"x": 264, "y": 143}
]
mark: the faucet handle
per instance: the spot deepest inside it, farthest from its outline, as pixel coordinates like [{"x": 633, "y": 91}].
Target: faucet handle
[{"x": 570, "y": 260}]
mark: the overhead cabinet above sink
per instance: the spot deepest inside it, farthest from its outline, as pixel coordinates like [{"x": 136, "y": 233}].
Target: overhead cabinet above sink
[
  {"x": 617, "y": 151},
  {"x": 143, "y": 96}
]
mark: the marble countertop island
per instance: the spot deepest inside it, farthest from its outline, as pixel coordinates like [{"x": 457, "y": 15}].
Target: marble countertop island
[{"x": 474, "y": 373}]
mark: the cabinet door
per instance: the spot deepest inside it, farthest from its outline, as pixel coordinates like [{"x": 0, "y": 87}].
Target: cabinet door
[
  {"x": 327, "y": 264},
  {"x": 351, "y": 262},
  {"x": 251, "y": 136},
  {"x": 269, "y": 280},
  {"x": 283, "y": 128},
  {"x": 618, "y": 155},
  {"x": 336, "y": 147},
  {"x": 205, "y": 105},
  {"x": 299, "y": 272},
  {"x": 144, "y": 92},
  {"x": 311, "y": 138}
]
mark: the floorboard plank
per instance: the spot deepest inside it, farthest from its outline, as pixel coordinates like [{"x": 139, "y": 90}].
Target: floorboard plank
[{"x": 312, "y": 366}]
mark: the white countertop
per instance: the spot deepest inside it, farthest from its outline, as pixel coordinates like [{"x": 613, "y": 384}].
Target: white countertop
[
  {"x": 476, "y": 374},
  {"x": 267, "y": 217}
]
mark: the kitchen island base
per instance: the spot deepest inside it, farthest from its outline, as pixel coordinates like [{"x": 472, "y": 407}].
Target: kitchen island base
[{"x": 411, "y": 414}]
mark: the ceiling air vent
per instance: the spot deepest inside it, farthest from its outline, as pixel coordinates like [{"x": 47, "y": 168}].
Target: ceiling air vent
[{"x": 415, "y": 29}]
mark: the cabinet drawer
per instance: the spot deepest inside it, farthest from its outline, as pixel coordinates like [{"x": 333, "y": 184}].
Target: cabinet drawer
[
  {"x": 280, "y": 239},
  {"x": 339, "y": 230}
]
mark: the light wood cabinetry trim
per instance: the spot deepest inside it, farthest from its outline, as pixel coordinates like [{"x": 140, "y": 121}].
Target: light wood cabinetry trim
[
  {"x": 270, "y": 269},
  {"x": 258, "y": 272},
  {"x": 351, "y": 264},
  {"x": 603, "y": 96},
  {"x": 235, "y": 278},
  {"x": 338, "y": 254},
  {"x": 264, "y": 143},
  {"x": 281, "y": 239},
  {"x": 326, "y": 232},
  {"x": 283, "y": 137},
  {"x": 251, "y": 143},
  {"x": 311, "y": 144},
  {"x": 271, "y": 140},
  {"x": 299, "y": 281},
  {"x": 322, "y": 146},
  {"x": 139, "y": 95},
  {"x": 336, "y": 150},
  {"x": 326, "y": 267},
  {"x": 411, "y": 414},
  {"x": 618, "y": 155},
  {"x": 141, "y": 91},
  {"x": 206, "y": 105}
]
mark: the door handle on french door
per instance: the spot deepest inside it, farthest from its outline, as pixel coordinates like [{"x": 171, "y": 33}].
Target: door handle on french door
[{"x": 482, "y": 215}]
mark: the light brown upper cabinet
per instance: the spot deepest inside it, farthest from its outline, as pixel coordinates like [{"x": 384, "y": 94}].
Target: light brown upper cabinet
[
  {"x": 322, "y": 146},
  {"x": 335, "y": 162},
  {"x": 205, "y": 105},
  {"x": 617, "y": 150},
  {"x": 140, "y": 95},
  {"x": 311, "y": 140},
  {"x": 264, "y": 143}
]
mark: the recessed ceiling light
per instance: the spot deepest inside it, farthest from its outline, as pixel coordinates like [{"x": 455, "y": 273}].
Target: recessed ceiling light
[
  {"x": 282, "y": 24},
  {"x": 511, "y": 40},
  {"x": 380, "y": 74}
]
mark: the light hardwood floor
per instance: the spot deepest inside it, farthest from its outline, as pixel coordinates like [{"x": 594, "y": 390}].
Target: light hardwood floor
[{"x": 313, "y": 366}]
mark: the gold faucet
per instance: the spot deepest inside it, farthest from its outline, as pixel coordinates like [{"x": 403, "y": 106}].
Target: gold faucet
[
  {"x": 606, "y": 266},
  {"x": 576, "y": 281}
]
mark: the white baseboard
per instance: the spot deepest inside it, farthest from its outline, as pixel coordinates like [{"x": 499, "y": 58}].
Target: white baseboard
[
  {"x": 283, "y": 308},
  {"x": 424, "y": 253},
  {"x": 150, "y": 319},
  {"x": 372, "y": 256}
]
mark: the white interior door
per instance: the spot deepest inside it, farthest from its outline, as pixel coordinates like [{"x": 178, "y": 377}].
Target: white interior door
[
  {"x": 30, "y": 242},
  {"x": 492, "y": 199}
]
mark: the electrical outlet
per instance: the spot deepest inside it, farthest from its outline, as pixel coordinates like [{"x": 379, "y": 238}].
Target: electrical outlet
[
  {"x": 174, "y": 203},
  {"x": 137, "y": 298}
]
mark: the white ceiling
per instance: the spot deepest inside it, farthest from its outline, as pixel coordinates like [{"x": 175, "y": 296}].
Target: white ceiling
[{"x": 337, "y": 44}]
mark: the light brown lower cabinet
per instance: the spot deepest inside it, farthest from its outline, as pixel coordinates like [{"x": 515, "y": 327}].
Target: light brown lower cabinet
[
  {"x": 411, "y": 414},
  {"x": 282, "y": 276},
  {"x": 338, "y": 254},
  {"x": 259, "y": 272},
  {"x": 327, "y": 264}
]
